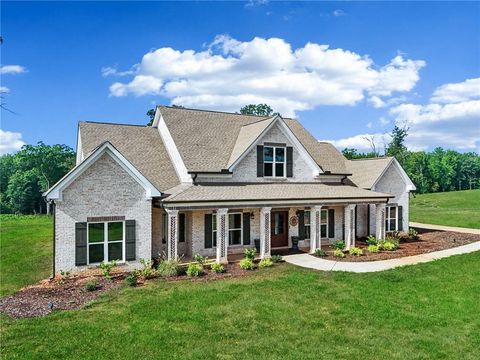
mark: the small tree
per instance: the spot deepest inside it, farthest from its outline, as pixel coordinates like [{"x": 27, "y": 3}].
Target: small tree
[
  {"x": 396, "y": 147},
  {"x": 258, "y": 110},
  {"x": 151, "y": 115}
]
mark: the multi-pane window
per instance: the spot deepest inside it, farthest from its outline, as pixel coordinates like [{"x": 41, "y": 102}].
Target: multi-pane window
[
  {"x": 323, "y": 223},
  {"x": 274, "y": 161},
  {"x": 391, "y": 218},
  {"x": 105, "y": 241},
  {"x": 235, "y": 229}
]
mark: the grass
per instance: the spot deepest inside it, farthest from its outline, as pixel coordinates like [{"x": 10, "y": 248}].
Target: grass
[
  {"x": 456, "y": 208},
  {"x": 424, "y": 311},
  {"x": 25, "y": 251}
]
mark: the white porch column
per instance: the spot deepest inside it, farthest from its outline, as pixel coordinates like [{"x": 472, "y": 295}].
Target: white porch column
[
  {"x": 265, "y": 233},
  {"x": 349, "y": 218},
  {"x": 315, "y": 238},
  {"x": 222, "y": 235},
  {"x": 380, "y": 221},
  {"x": 172, "y": 234}
]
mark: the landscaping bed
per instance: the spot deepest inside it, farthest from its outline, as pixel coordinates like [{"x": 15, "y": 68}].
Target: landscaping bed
[{"x": 428, "y": 241}]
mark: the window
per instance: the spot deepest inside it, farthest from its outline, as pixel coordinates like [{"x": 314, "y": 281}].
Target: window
[
  {"x": 391, "y": 218},
  {"x": 106, "y": 241},
  {"x": 323, "y": 223},
  {"x": 235, "y": 229},
  {"x": 274, "y": 161}
]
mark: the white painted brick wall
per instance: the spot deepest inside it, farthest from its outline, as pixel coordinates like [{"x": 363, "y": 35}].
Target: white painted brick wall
[{"x": 104, "y": 189}]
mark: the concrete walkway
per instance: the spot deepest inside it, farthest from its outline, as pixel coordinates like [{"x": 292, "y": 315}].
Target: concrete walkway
[
  {"x": 312, "y": 262},
  {"x": 445, "y": 228}
]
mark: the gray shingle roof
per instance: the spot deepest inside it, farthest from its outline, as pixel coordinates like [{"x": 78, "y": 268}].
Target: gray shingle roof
[
  {"x": 365, "y": 172},
  {"x": 269, "y": 191},
  {"x": 140, "y": 145},
  {"x": 206, "y": 140}
]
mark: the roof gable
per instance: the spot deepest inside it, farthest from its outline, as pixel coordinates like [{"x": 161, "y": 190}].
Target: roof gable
[{"x": 55, "y": 192}]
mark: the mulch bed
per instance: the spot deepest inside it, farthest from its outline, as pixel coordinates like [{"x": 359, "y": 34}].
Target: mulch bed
[
  {"x": 69, "y": 292},
  {"x": 428, "y": 241}
]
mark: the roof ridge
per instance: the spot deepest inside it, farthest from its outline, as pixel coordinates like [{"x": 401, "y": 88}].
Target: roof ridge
[
  {"x": 375, "y": 158},
  {"x": 109, "y": 123},
  {"x": 213, "y": 111}
]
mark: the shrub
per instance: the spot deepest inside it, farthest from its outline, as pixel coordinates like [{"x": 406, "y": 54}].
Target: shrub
[
  {"x": 277, "y": 258},
  {"x": 265, "y": 263},
  {"x": 320, "y": 253},
  {"x": 338, "y": 253},
  {"x": 250, "y": 253},
  {"x": 372, "y": 240},
  {"x": 148, "y": 271},
  {"x": 107, "y": 268},
  {"x": 200, "y": 259},
  {"x": 217, "y": 268},
  {"x": 131, "y": 279},
  {"x": 168, "y": 268},
  {"x": 246, "y": 264},
  {"x": 412, "y": 234},
  {"x": 339, "y": 245},
  {"x": 91, "y": 285},
  {"x": 373, "y": 248},
  {"x": 355, "y": 251},
  {"x": 194, "y": 270},
  {"x": 389, "y": 246}
]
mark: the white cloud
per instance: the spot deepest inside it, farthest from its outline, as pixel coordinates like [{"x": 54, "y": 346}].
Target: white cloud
[
  {"x": 457, "y": 92},
  {"x": 254, "y": 3},
  {"x": 232, "y": 73},
  {"x": 361, "y": 142},
  {"x": 12, "y": 69},
  {"x": 112, "y": 71},
  {"x": 377, "y": 102},
  {"x": 4, "y": 89},
  {"x": 369, "y": 125},
  {"x": 339, "y": 12},
  {"x": 384, "y": 121},
  {"x": 10, "y": 142}
]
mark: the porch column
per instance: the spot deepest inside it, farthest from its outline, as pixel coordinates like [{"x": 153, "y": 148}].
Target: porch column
[
  {"x": 222, "y": 235},
  {"x": 380, "y": 221},
  {"x": 172, "y": 234},
  {"x": 265, "y": 233},
  {"x": 349, "y": 218},
  {"x": 315, "y": 238}
]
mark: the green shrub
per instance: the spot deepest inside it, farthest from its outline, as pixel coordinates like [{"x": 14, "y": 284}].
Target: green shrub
[
  {"x": 194, "y": 270},
  {"x": 107, "y": 268},
  {"x": 91, "y": 285},
  {"x": 373, "y": 248},
  {"x": 200, "y": 259},
  {"x": 167, "y": 268},
  {"x": 320, "y": 253},
  {"x": 147, "y": 271},
  {"x": 277, "y": 258},
  {"x": 265, "y": 263},
  {"x": 372, "y": 240},
  {"x": 217, "y": 268},
  {"x": 338, "y": 253},
  {"x": 412, "y": 234},
  {"x": 355, "y": 251},
  {"x": 389, "y": 246},
  {"x": 131, "y": 279},
  {"x": 250, "y": 253},
  {"x": 339, "y": 245},
  {"x": 246, "y": 264}
]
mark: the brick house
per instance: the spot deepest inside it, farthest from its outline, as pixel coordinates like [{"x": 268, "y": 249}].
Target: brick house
[{"x": 214, "y": 183}]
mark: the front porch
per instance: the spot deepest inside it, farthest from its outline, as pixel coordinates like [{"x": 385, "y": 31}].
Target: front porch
[{"x": 223, "y": 233}]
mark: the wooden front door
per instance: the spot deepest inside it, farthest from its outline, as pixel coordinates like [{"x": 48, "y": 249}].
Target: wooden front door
[{"x": 279, "y": 228}]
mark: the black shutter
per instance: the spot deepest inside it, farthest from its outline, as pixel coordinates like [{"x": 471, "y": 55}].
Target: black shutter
[
  {"x": 400, "y": 218},
  {"x": 289, "y": 161},
  {"x": 259, "y": 161},
  {"x": 130, "y": 239},
  {"x": 181, "y": 227},
  {"x": 301, "y": 224},
  {"x": 208, "y": 231},
  {"x": 80, "y": 244},
  {"x": 331, "y": 223},
  {"x": 246, "y": 228}
]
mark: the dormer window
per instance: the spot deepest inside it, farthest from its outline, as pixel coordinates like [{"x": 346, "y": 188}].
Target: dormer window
[{"x": 274, "y": 163}]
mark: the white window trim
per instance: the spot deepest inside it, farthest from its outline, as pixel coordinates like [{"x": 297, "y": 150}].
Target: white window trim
[
  {"x": 326, "y": 223},
  {"x": 388, "y": 217},
  {"x": 274, "y": 162},
  {"x": 105, "y": 241},
  {"x": 214, "y": 230}
]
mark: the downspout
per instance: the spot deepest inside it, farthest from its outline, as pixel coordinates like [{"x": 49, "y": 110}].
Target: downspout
[{"x": 53, "y": 242}]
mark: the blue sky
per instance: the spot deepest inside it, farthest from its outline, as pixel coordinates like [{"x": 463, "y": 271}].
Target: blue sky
[{"x": 387, "y": 62}]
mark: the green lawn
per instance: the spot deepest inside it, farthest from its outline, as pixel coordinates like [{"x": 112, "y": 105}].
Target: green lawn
[
  {"x": 456, "y": 208},
  {"x": 25, "y": 251}
]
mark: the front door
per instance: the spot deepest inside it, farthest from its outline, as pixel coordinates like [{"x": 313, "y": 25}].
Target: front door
[{"x": 279, "y": 228}]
